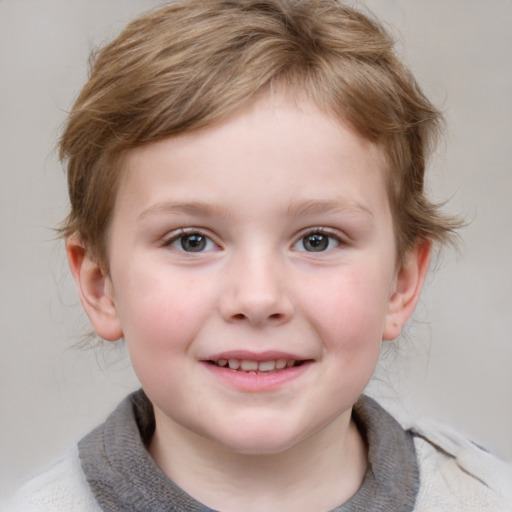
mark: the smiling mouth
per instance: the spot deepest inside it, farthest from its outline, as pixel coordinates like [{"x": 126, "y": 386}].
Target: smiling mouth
[{"x": 249, "y": 366}]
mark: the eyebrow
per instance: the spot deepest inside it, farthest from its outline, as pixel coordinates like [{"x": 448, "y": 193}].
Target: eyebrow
[
  {"x": 188, "y": 208},
  {"x": 294, "y": 208},
  {"x": 316, "y": 206}
]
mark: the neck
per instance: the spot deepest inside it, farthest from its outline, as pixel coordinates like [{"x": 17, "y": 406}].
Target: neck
[{"x": 319, "y": 473}]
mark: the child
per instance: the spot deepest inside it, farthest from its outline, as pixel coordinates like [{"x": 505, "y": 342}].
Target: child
[{"x": 247, "y": 212}]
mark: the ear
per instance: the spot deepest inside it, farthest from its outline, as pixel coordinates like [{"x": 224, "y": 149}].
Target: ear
[
  {"x": 407, "y": 289},
  {"x": 95, "y": 290}
]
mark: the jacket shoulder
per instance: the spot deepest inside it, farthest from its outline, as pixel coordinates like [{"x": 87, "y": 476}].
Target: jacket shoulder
[
  {"x": 458, "y": 475},
  {"x": 61, "y": 488}
]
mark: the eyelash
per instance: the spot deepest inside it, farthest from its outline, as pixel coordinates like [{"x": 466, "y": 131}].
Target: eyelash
[
  {"x": 182, "y": 234},
  {"x": 203, "y": 241},
  {"x": 324, "y": 233}
]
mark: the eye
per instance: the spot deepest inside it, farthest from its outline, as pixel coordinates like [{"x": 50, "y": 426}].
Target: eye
[
  {"x": 192, "y": 242},
  {"x": 317, "y": 241}
]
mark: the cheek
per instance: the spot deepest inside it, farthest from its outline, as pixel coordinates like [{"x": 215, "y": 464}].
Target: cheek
[
  {"x": 350, "y": 321},
  {"x": 160, "y": 313},
  {"x": 349, "y": 310}
]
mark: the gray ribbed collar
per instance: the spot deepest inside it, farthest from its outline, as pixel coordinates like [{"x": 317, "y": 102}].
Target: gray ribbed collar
[{"x": 123, "y": 476}]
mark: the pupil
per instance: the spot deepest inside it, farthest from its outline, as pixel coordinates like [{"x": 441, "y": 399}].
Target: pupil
[
  {"x": 193, "y": 243},
  {"x": 316, "y": 242}
]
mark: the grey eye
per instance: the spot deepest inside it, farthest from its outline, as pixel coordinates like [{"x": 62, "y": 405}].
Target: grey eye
[
  {"x": 193, "y": 242},
  {"x": 315, "y": 242}
]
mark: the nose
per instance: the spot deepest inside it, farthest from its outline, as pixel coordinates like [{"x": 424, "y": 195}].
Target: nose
[{"x": 256, "y": 292}]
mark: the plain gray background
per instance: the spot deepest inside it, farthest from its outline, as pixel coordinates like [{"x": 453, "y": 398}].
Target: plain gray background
[{"x": 455, "y": 362}]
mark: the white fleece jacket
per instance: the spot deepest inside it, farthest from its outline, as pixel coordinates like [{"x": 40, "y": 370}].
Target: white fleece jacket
[{"x": 455, "y": 476}]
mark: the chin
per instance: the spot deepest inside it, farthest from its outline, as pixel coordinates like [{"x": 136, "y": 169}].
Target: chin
[
  {"x": 263, "y": 448},
  {"x": 259, "y": 442}
]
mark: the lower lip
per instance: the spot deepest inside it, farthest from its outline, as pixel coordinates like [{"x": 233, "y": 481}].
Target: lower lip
[{"x": 257, "y": 382}]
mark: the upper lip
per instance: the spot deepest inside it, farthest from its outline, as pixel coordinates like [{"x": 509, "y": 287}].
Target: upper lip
[{"x": 267, "y": 355}]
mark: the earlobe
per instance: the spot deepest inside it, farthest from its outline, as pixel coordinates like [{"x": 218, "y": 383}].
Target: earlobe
[
  {"x": 95, "y": 290},
  {"x": 407, "y": 289}
]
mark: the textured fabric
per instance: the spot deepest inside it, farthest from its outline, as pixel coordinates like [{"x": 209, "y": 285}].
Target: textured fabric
[
  {"x": 455, "y": 475},
  {"x": 392, "y": 479},
  {"x": 121, "y": 473},
  {"x": 62, "y": 488},
  {"x": 118, "y": 467}
]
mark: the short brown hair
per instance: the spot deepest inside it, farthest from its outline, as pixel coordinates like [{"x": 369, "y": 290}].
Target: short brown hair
[{"x": 190, "y": 64}]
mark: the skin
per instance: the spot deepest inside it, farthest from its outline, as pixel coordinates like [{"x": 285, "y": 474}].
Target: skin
[{"x": 258, "y": 190}]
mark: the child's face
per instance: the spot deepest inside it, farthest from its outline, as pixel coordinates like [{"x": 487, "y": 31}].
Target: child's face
[{"x": 266, "y": 240}]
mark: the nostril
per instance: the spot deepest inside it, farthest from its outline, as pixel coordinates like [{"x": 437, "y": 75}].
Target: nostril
[
  {"x": 256, "y": 310},
  {"x": 274, "y": 317}
]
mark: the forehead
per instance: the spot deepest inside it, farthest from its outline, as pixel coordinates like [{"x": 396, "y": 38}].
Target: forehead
[
  {"x": 278, "y": 149},
  {"x": 277, "y": 127}
]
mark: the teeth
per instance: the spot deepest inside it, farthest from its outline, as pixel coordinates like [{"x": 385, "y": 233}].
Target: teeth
[
  {"x": 260, "y": 366},
  {"x": 249, "y": 365},
  {"x": 266, "y": 366}
]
